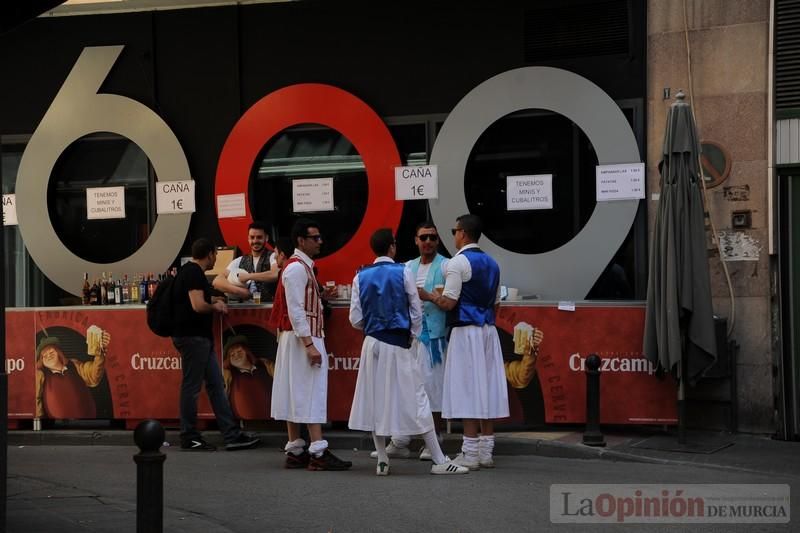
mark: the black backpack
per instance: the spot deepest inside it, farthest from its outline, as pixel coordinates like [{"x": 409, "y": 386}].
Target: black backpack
[{"x": 159, "y": 309}]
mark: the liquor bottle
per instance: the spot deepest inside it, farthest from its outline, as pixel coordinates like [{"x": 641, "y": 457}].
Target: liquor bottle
[
  {"x": 94, "y": 294},
  {"x": 134, "y": 290},
  {"x": 143, "y": 290},
  {"x": 118, "y": 292},
  {"x": 103, "y": 290},
  {"x": 87, "y": 289},
  {"x": 126, "y": 294},
  {"x": 152, "y": 284},
  {"x": 112, "y": 297}
]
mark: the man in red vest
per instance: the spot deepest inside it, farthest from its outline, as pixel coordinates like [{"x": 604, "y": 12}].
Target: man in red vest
[{"x": 300, "y": 384}]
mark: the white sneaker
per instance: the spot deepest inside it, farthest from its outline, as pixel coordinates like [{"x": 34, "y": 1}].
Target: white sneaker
[
  {"x": 382, "y": 469},
  {"x": 425, "y": 455},
  {"x": 448, "y": 468},
  {"x": 468, "y": 462},
  {"x": 394, "y": 452},
  {"x": 486, "y": 461}
]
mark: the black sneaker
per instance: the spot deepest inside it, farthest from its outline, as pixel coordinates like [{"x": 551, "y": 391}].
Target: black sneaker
[
  {"x": 298, "y": 461},
  {"x": 197, "y": 445},
  {"x": 242, "y": 442},
  {"x": 328, "y": 461}
]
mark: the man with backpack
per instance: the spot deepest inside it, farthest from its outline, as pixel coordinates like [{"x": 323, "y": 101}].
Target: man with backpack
[{"x": 192, "y": 335}]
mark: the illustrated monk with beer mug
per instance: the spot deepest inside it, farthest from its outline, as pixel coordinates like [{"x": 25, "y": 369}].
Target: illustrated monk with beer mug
[{"x": 62, "y": 384}]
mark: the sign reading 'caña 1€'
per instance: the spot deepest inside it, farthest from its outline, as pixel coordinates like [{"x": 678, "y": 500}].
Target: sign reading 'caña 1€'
[
  {"x": 174, "y": 197},
  {"x": 416, "y": 183}
]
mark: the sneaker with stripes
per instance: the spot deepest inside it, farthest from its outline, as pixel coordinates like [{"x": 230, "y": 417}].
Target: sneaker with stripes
[{"x": 449, "y": 468}]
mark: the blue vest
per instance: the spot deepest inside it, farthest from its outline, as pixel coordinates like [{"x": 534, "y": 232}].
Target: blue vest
[
  {"x": 475, "y": 306},
  {"x": 384, "y": 303},
  {"x": 433, "y": 318}
]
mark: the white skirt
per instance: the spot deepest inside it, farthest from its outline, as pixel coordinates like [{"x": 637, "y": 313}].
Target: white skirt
[
  {"x": 299, "y": 390},
  {"x": 474, "y": 376},
  {"x": 390, "y": 396},
  {"x": 432, "y": 376}
]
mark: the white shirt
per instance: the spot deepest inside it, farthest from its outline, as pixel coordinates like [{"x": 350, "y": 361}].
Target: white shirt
[
  {"x": 234, "y": 265},
  {"x": 414, "y": 303},
  {"x": 294, "y": 279},
  {"x": 422, "y": 273},
  {"x": 457, "y": 272}
]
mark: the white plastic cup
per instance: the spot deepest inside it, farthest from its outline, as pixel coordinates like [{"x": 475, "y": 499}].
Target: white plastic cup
[{"x": 513, "y": 294}]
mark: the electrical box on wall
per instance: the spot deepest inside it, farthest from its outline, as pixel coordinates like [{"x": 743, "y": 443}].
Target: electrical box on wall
[{"x": 742, "y": 219}]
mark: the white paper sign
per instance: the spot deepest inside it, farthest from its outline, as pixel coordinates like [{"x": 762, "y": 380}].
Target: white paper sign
[
  {"x": 416, "y": 183},
  {"x": 314, "y": 194},
  {"x": 566, "y": 306},
  {"x": 9, "y": 209},
  {"x": 529, "y": 192},
  {"x": 105, "y": 202},
  {"x": 174, "y": 197},
  {"x": 230, "y": 205},
  {"x": 620, "y": 182}
]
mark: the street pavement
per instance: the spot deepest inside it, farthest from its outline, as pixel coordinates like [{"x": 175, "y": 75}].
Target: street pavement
[{"x": 90, "y": 485}]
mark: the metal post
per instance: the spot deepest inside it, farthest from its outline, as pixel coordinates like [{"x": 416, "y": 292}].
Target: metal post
[
  {"x": 3, "y": 375},
  {"x": 592, "y": 435},
  {"x": 149, "y": 435}
]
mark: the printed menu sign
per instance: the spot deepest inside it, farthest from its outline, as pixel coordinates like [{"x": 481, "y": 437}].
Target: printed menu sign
[
  {"x": 529, "y": 192},
  {"x": 315, "y": 194},
  {"x": 620, "y": 182},
  {"x": 105, "y": 202}
]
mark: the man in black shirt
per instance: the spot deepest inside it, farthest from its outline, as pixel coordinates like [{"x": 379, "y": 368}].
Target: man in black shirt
[{"x": 194, "y": 339}]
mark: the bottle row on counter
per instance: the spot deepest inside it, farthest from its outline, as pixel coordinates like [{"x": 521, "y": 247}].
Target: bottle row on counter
[{"x": 138, "y": 289}]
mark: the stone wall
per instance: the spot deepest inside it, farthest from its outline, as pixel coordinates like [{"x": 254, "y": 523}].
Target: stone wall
[{"x": 728, "y": 40}]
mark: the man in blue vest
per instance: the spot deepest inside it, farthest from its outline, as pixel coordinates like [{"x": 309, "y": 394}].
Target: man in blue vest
[
  {"x": 390, "y": 396},
  {"x": 474, "y": 377},
  {"x": 430, "y": 352}
]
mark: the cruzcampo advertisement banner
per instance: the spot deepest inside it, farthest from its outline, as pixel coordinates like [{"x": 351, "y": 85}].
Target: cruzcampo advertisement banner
[{"x": 105, "y": 363}]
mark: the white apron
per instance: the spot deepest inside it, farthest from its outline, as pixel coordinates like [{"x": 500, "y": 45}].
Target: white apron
[
  {"x": 474, "y": 376},
  {"x": 390, "y": 396},
  {"x": 299, "y": 390}
]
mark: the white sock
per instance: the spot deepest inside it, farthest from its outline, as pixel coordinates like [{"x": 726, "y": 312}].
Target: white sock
[
  {"x": 486, "y": 445},
  {"x": 433, "y": 446},
  {"x": 318, "y": 447},
  {"x": 295, "y": 447},
  {"x": 469, "y": 446},
  {"x": 380, "y": 447},
  {"x": 400, "y": 441}
]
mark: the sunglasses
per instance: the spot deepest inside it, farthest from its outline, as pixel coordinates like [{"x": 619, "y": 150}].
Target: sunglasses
[
  {"x": 428, "y": 237},
  {"x": 454, "y": 230},
  {"x": 317, "y": 238}
]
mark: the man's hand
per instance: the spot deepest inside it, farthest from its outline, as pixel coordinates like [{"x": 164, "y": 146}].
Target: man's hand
[
  {"x": 314, "y": 357},
  {"x": 244, "y": 277},
  {"x": 220, "y": 307},
  {"x": 424, "y": 295},
  {"x": 330, "y": 292},
  {"x": 242, "y": 292}
]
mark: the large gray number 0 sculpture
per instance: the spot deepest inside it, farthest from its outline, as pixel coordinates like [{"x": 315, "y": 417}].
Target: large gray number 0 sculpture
[
  {"x": 568, "y": 272},
  {"x": 76, "y": 111}
]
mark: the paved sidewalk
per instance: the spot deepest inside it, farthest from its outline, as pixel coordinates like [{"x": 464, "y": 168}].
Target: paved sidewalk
[
  {"x": 79, "y": 481},
  {"x": 743, "y": 452}
]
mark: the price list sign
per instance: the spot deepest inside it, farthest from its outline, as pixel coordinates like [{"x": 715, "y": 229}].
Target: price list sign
[
  {"x": 416, "y": 183},
  {"x": 175, "y": 197}
]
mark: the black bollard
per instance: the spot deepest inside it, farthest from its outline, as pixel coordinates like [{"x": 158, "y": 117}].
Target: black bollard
[
  {"x": 149, "y": 435},
  {"x": 592, "y": 435}
]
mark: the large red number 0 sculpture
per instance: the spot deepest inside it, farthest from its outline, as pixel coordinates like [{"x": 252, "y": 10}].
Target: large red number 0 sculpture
[{"x": 312, "y": 103}]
